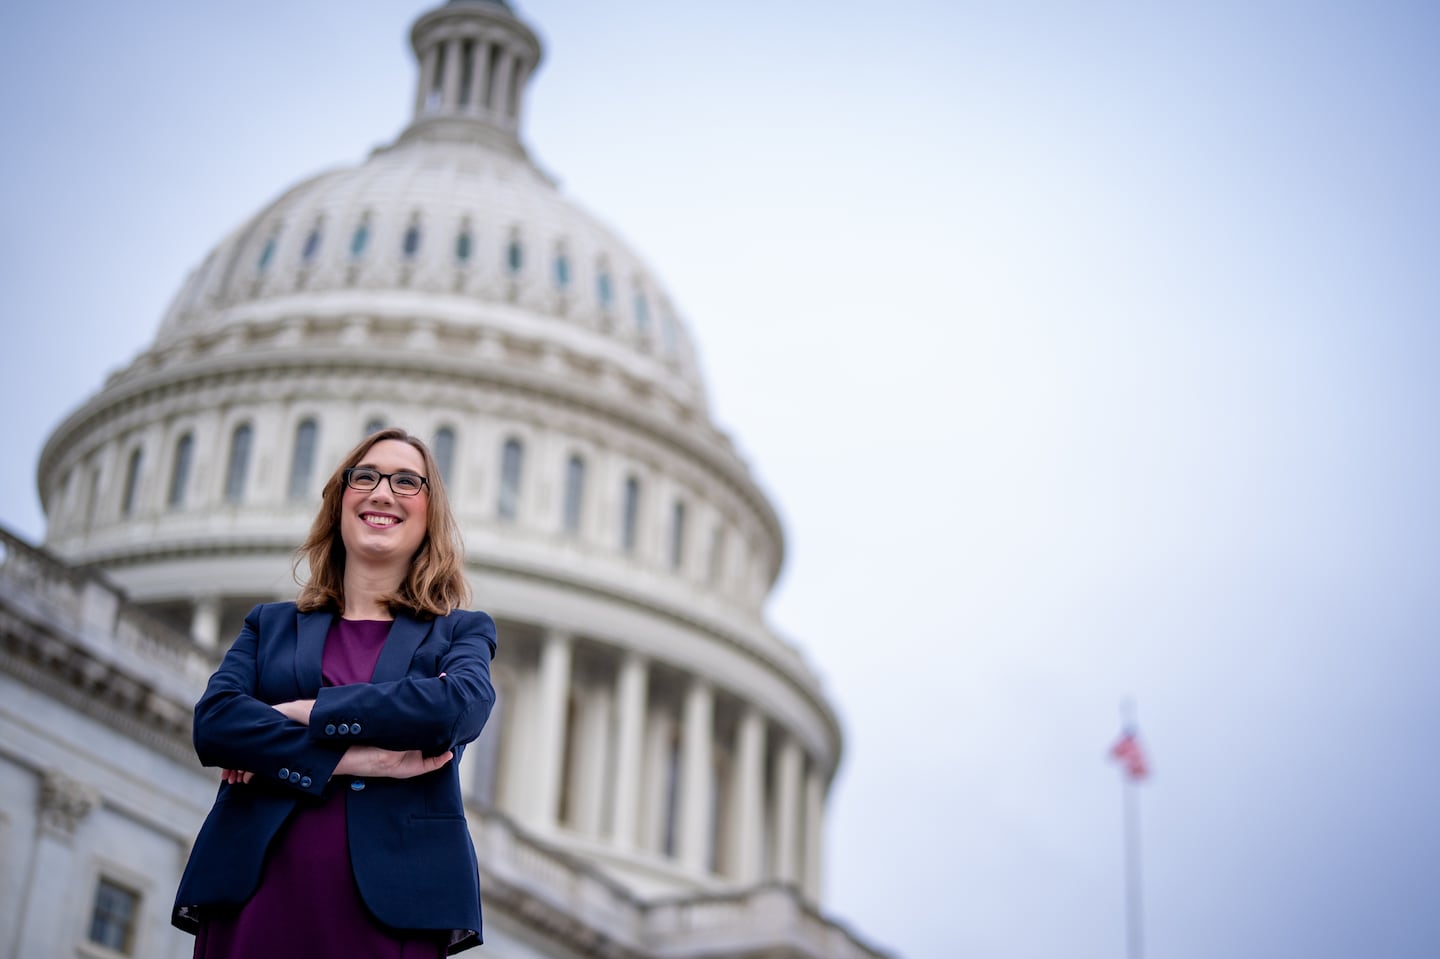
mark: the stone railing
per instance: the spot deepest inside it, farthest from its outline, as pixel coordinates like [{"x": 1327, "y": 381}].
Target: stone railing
[
  {"x": 572, "y": 899},
  {"x": 75, "y": 633},
  {"x": 84, "y": 603}
]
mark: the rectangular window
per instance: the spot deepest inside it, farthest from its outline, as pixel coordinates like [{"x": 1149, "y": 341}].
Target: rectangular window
[{"x": 114, "y": 916}]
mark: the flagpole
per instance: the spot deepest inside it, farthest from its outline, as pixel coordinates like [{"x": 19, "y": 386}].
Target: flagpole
[{"x": 1134, "y": 925}]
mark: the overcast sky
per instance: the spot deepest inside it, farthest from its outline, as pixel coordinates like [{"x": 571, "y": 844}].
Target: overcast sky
[{"x": 1089, "y": 351}]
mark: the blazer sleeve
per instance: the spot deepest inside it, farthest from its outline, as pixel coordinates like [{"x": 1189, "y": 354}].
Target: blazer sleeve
[
  {"x": 431, "y": 714},
  {"x": 237, "y": 730}
]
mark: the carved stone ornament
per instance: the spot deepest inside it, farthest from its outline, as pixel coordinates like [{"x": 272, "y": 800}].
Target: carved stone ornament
[{"x": 64, "y": 802}]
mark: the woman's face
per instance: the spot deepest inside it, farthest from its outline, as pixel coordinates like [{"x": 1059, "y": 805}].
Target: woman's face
[{"x": 378, "y": 526}]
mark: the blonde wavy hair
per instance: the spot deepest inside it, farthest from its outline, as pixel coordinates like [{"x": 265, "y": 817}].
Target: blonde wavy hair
[{"x": 435, "y": 584}]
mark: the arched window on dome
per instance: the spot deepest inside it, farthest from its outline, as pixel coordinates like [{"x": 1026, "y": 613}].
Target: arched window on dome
[
  {"x": 562, "y": 268},
  {"x": 603, "y": 291},
  {"x": 302, "y": 459},
  {"x": 464, "y": 243},
  {"x": 360, "y": 238},
  {"x": 132, "y": 482},
  {"x": 511, "y": 461},
  {"x": 410, "y": 245},
  {"x": 312, "y": 243},
  {"x": 267, "y": 253},
  {"x": 92, "y": 500},
  {"x": 239, "y": 465},
  {"x": 514, "y": 254},
  {"x": 443, "y": 449},
  {"x": 630, "y": 514},
  {"x": 642, "y": 311},
  {"x": 677, "y": 535},
  {"x": 715, "y": 556},
  {"x": 180, "y": 471},
  {"x": 574, "y": 493},
  {"x": 669, "y": 334}
]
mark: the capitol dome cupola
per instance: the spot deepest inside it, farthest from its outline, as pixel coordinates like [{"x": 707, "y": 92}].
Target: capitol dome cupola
[{"x": 476, "y": 58}]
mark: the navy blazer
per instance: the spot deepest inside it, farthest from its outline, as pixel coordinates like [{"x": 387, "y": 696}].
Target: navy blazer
[{"x": 409, "y": 843}]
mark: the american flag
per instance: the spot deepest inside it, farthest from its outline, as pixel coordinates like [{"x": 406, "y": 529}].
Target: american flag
[{"x": 1130, "y": 756}]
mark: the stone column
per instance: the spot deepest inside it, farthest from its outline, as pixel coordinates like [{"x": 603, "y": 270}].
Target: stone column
[
  {"x": 450, "y": 82},
  {"x": 552, "y": 701},
  {"x": 522, "y": 84},
  {"x": 787, "y": 811},
  {"x": 814, "y": 828},
  {"x": 500, "y": 96},
  {"x": 747, "y": 855},
  {"x": 427, "y": 78},
  {"x": 587, "y": 791},
  {"x": 630, "y": 692},
  {"x": 479, "y": 74},
  {"x": 44, "y": 924},
  {"x": 516, "y": 743},
  {"x": 205, "y": 622},
  {"x": 697, "y": 776}
]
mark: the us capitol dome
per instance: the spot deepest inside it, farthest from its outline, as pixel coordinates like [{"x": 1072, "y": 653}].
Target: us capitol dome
[{"x": 653, "y": 779}]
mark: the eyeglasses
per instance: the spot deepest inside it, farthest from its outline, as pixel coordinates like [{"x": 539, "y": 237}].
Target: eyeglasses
[{"x": 403, "y": 483}]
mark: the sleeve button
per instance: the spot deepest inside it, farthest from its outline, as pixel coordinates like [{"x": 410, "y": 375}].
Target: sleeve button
[
  {"x": 305, "y": 781},
  {"x": 354, "y": 729},
  {"x": 357, "y": 785},
  {"x": 330, "y": 729},
  {"x": 294, "y": 778},
  {"x": 344, "y": 729},
  {"x": 284, "y": 773}
]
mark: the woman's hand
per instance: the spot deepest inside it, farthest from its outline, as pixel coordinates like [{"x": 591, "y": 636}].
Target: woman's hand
[
  {"x": 380, "y": 763},
  {"x": 296, "y": 709},
  {"x": 235, "y": 777}
]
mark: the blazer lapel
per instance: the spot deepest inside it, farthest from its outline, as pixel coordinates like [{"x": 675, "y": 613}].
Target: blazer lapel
[
  {"x": 405, "y": 637},
  {"x": 310, "y": 650}
]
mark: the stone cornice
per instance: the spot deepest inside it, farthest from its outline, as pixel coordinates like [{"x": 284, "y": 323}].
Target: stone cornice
[{"x": 735, "y": 640}]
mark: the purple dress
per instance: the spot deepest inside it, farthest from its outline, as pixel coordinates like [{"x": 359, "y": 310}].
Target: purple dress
[{"x": 307, "y": 903}]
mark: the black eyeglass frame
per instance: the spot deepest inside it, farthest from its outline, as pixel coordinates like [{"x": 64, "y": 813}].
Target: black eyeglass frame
[{"x": 350, "y": 482}]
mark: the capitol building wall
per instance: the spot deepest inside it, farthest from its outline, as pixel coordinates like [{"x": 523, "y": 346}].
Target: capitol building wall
[{"x": 653, "y": 779}]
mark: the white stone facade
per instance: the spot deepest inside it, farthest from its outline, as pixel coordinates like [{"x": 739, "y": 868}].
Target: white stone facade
[{"x": 653, "y": 779}]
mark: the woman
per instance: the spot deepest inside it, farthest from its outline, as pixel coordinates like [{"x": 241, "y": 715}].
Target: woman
[{"x": 339, "y": 721}]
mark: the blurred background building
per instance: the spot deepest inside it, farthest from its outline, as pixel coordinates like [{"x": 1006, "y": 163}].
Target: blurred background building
[{"x": 653, "y": 779}]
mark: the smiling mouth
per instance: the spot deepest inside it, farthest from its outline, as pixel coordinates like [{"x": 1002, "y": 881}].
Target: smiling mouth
[{"x": 379, "y": 519}]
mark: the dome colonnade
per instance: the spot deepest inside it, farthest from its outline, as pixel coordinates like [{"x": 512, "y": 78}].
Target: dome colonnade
[{"x": 648, "y": 721}]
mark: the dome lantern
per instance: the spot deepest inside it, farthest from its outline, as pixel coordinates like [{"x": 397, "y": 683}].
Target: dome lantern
[{"x": 475, "y": 58}]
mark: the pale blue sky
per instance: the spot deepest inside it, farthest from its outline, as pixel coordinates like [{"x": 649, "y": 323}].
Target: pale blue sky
[{"x": 1089, "y": 351}]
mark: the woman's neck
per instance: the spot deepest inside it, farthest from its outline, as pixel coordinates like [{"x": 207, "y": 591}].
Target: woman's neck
[{"x": 365, "y": 590}]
